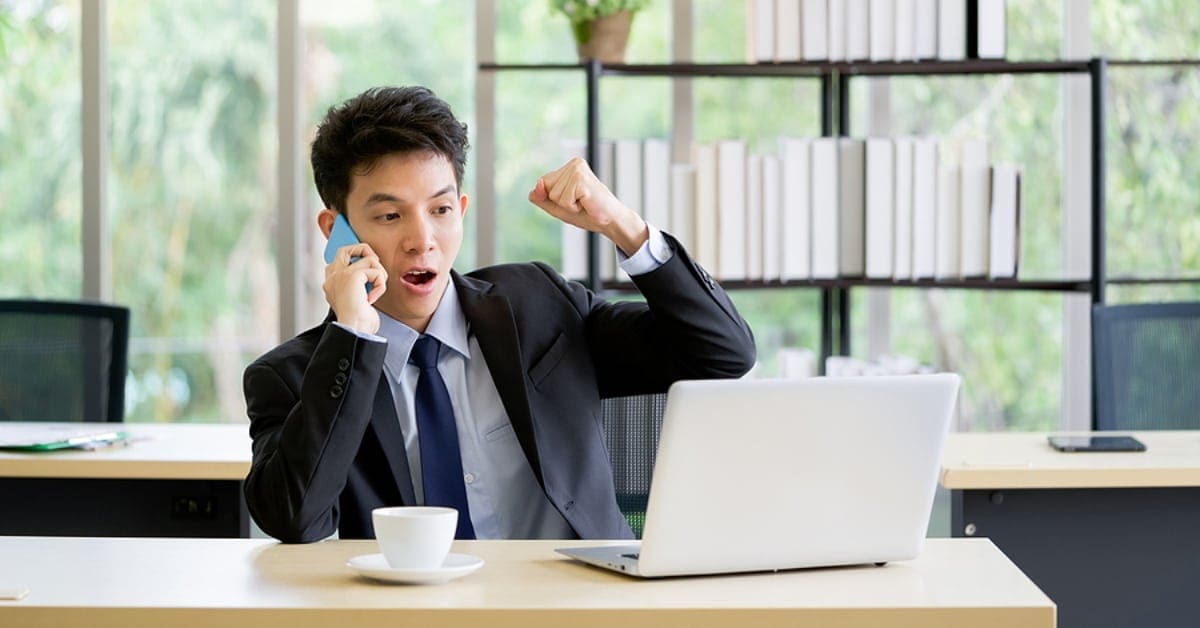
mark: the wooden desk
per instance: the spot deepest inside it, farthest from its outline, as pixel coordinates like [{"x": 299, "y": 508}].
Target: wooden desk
[
  {"x": 170, "y": 480},
  {"x": 228, "y": 582},
  {"x": 1112, "y": 538}
]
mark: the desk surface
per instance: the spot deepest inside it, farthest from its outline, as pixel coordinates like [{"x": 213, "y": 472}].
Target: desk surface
[
  {"x": 156, "y": 451},
  {"x": 222, "y": 583},
  {"x": 1025, "y": 460}
]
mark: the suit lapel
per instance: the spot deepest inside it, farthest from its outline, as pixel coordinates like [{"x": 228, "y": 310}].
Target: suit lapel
[
  {"x": 491, "y": 319},
  {"x": 391, "y": 440}
]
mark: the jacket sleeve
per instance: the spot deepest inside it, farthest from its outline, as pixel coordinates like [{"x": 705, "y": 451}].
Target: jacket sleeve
[
  {"x": 307, "y": 420},
  {"x": 687, "y": 328}
]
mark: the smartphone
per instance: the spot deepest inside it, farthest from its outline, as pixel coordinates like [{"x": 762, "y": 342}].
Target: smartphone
[
  {"x": 1096, "y": 443},
  {"x": 341, "y": 235}
]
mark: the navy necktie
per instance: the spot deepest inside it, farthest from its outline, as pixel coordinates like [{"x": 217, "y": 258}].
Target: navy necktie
[{"x": 441, "y": 463}]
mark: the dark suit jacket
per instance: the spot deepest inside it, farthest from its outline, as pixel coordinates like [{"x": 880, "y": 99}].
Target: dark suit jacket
[{"x": 327, "y": 444}]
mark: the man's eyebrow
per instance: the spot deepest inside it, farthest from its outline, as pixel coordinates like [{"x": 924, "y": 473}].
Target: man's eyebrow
[
  {"x": 384, "y": 197},
  {"x": 444, "y": 191}
]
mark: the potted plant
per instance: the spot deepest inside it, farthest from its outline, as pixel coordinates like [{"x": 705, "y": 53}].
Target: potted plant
[{"x": 600, "y": 27}]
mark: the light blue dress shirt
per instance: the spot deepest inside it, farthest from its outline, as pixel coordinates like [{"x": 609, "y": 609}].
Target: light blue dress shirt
[{"x": 503, "y": 494}]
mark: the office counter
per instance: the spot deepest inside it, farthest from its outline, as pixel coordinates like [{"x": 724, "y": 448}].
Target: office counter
[
  {"x": 170, "y": 480},
  {"x": 232, "y": 582},
  {"x": 1112, "y": 538}
]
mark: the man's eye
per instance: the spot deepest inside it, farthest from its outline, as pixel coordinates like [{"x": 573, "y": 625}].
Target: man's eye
[
  {"x": 444, "y": 209},
  {"x": 389, "y": 217}
]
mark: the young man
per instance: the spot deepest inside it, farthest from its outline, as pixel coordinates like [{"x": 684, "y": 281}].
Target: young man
[{"x": 478, "y": 391}]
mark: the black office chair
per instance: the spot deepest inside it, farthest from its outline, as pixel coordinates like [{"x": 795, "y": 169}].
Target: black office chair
[
  {"x": 62, "y": 361},
  {"x": 631, "y": 429},
  {"x": 1146, "y": 366}
]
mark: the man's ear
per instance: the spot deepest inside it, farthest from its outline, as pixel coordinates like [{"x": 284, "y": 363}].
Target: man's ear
[
  {"x": 325, "y": 221},
  {"x": 462, "y": 204}
]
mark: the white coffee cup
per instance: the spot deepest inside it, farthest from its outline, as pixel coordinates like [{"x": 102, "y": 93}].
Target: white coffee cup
[{"x": 415, "y": 537}]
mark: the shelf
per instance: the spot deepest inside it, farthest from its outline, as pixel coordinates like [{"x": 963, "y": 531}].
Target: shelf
[
  {"x": 1166, "y": 63},
  {"x": 811, "y": 68},
  {"x": 1079, "y": 285},
  {"x": 1148, "y": 281}
]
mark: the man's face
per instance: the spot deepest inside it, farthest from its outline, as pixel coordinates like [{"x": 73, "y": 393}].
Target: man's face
[{"x": 408, "y": 209}]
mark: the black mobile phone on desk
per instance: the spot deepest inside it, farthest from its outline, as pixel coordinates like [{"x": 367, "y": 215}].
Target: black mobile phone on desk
[{"x": 1096, "y": 443}]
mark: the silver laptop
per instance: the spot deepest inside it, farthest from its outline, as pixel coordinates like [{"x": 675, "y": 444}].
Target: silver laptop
[{"x": 756, "y": 475}]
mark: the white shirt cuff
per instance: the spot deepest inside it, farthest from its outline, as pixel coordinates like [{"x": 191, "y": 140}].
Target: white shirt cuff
[
  {"x": 653, "y": 253},
  {"x": 361, "y": 334}
]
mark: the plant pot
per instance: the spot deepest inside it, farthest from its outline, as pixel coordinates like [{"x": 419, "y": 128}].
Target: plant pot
[{"x": 604, "y": 38}]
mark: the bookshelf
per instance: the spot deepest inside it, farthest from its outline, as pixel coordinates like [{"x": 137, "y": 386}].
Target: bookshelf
[{"x": 834, "y": 79}]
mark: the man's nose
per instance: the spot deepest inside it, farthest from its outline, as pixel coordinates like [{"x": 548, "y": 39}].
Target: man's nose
[{"x": 418, "y": 236}]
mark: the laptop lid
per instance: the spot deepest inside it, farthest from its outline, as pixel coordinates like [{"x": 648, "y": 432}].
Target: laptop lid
[{"x": 780, "y": 474}]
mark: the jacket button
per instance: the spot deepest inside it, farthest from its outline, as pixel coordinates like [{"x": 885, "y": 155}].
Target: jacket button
[
  {"x": 335, "y": 392},
  {"x": 339, "y": 378},
  {"x": 343, "y": 364}
]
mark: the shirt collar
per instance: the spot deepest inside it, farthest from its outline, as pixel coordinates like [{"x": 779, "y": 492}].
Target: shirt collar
[{"x": 448, "y": 325}]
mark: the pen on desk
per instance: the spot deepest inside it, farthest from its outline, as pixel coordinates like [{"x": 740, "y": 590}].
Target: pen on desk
[{"x": 13, "y": 593}]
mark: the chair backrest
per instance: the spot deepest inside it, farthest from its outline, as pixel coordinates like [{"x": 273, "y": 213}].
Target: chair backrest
[
  {"x": 1146, "y": 364},
  {"x": 631, "y": 429},
  {"x": 62, "y": 361}
]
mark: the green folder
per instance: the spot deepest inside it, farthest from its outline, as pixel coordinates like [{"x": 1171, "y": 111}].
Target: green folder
[{"x": 51, "y": 438}]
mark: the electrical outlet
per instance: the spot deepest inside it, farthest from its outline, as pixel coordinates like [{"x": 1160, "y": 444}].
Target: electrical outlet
[{"x": 193, "y": 507}]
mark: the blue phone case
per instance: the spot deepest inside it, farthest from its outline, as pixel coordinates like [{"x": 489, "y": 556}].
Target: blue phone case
[{"x": 341, "y": 235}]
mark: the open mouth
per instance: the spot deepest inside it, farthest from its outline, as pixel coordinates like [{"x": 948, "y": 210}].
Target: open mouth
[{"x": 419, "y": 277}]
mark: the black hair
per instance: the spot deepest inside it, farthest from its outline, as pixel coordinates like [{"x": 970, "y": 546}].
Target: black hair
[{"x": 379, "y": 122}]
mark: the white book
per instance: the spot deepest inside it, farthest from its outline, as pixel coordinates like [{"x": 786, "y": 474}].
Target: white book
[
  {"x": 906, "y": 25},
  {"x": 924, "y": 207},
  {"x": 880, "y": 207},
  {"x": 607, "y": 258},
  {"x": 760, "y": 31},
  {"x": 796, "y": 211},
  {"x": 574, "y": 239},
  {"x": 1006, "y": 221},
  {"x": 824, "y": 180},
  {"x": 656, "y": 182},
  {"x": 851, "y": 207},
  {"x": 858, "y": 30},
  {"x": 949, "y": 234},
  {"x": 731, "y": 209},
  {"x": 925, "y": 29},
  {"x": 787, "y": 30},
  {"x": 682, "y": 223},
  {"x": 628, "y": 187},
  {"x": 836, "y": 31},
  {"x": 882, "y": 35},
  {"x": 976, "y": 194},
  {"x": 988, "y": 27},
  {"x": 952, "y": 30},
  {"x": 903, "y": 245},
  {"x": 704, "y": 156},
  {"x": 754, "y": 217},
  {"x": 814, "y": 30},
  {"x": 772, "y": 221}
]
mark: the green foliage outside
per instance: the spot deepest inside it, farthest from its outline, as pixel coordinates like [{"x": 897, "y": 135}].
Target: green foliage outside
[{"x": 192, "y": 184}]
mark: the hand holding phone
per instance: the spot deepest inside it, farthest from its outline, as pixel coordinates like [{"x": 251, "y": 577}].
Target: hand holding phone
[{"x": 341, "y": 235}]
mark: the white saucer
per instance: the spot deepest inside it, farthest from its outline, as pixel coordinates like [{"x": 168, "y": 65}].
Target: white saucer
[{"x": 375, "y": 566}]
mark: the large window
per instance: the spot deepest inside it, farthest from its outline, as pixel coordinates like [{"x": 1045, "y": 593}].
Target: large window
[
  {"x": 1153, "y": 135},
  {"x": 40, "y": 190},
  {"x": 193, "y": 194},
  {"x": 192, "y": 170}
]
